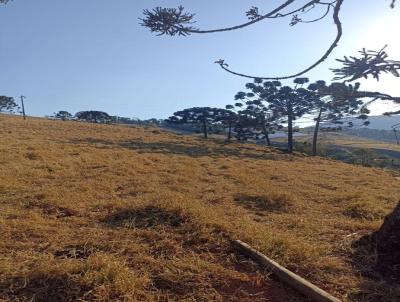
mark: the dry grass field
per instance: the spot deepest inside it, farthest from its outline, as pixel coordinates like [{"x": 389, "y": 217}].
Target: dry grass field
[
  {"x": 344, "y": 140},
  {"x": 111, "y": 213}
]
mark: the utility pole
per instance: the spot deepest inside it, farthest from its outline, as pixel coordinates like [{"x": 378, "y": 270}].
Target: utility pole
[
  {"x": 395, "y": 130},
  {"x": 397, "y": 138},
  {"x": 23, "y": 106}
]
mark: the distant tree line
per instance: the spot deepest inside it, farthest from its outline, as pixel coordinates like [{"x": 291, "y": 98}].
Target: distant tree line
[
  {"x": 91, "y": 116},
  {"x": 268, "y": 106},
  {"x": 264, "y": 108},
  {"x": 101, "y": 117}
]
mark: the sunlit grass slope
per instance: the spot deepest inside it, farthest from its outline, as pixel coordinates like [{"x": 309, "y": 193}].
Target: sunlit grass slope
[
  {"x": 112, "y": 213},
  {"x": 350, "y": 141}
]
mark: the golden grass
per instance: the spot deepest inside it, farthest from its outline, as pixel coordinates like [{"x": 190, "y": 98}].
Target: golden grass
[
  {"x": 342, "y": 139},
  {"x": 111, "y": 213}
]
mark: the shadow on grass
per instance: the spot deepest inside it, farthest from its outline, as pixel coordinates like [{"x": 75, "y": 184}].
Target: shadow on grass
[
  {"x": 199, "y": 148},
  {"x": 75, "y": 252},
  {"x": 169, "y": 233},
  {"x": 262, "y": 203},
  {"x": 43, "y": 287},
  {"x": 147, "y": 217}
]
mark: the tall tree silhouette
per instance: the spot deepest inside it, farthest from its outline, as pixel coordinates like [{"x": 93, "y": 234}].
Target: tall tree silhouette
[
  {"x": 228, "y": 118},
  {"x": 93, "y": 116},
  {"x": 284, "y": 104},
  {"x": 7, "y": 104},
  {"x": 63, "y": 115},
  {"x": 254, "y": 116},
  {"x": 333, "y": 109},
  {"x": 202, "y": 116}
]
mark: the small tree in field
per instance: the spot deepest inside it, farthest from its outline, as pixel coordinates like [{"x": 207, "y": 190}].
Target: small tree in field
[
  {"x": 63, "y": 115},
  {"x": 93, "y": 116},
  {"x": 245, "y": 126},
  {"x": 333, "y": 109},
  {"x": 202, "y": 116},
  {"x": 290, "y": 103},
  {"x": 228, "y": 119},
  {"x": 253, "y": 115},
  {"x": 7, "y": 104},
  {"x": 285, "y": 104}
]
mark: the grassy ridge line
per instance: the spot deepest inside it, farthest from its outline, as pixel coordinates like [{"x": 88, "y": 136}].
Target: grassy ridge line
[{"x": 109, "y": 212}]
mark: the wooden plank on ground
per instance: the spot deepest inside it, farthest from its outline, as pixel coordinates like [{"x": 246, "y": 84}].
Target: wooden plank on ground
[{"x": 306, "y": 288}]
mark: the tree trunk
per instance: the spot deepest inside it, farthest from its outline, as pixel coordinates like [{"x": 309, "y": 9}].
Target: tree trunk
[
  {"x": 290, "y": 128},
  {"x": 205, "y": 128},
  {"x": 265, "y": 130},
  {"x": 315, "y": 138},
  {"x": 229, "y": 131},
  {"x": 267, "y": 138},
  {"x": 388, "y": 244},
  {"x": 266, "y": 134}
]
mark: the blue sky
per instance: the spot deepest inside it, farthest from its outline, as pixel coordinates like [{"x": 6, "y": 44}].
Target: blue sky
[{"x": 79, "y": 55}]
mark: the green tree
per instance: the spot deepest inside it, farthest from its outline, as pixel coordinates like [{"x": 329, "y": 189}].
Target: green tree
[
  {"x": 93, "y": 116},
  {"x": 63, "y": 115},
  {"x": 285, "y": 103},
  {"x": 228, "y": 119},
  {"x": 253, "y": 115},
  {"x": 333, "y": 108},
  {"x": 387, "y": 238},
  {"x": 7, "y": 104},
  {"x": 205, "y": 117},
  {"x": 246, "y": 127}
]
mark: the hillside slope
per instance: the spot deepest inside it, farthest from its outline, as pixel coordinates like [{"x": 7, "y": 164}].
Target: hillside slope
[
  {"x": 112, "y": 213},
  {"x": 352, "y": 141}
]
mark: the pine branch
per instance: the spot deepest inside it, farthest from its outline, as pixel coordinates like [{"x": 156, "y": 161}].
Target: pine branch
[
  {"x": 168, "y": 21},
  {"x": 172, "y": 21},
  {"x": 371, "y": 62},
  {"x": 336, "y": 19}
]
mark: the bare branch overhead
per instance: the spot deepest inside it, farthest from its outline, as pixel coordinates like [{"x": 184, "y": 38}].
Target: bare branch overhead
[{"x": 170, "y": 21}]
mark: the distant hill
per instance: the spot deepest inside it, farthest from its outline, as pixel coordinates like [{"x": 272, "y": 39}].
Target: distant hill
[
  {"x": 374, "y": 134},
  {"x": 379, "y": 122},
  {"x": 383, "y": 122},
  {"x": 380, "y": 128}
]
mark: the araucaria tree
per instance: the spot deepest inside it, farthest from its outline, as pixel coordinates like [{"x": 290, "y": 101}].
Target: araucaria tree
[
  {"x": 333, "y": 108},
  {"x": 387, "y": 238},
  {"x": 93, "y": 116},
  {"x": 290, "y": 103},
  {"x": 63, "y": 115},
  {"x": 228, "y": 119},
  {"x": 283, "y": 104},
  {"x": 254, "y": 118},
  {"x": 7, "y": 104},
  {"x": 204, "y": 117}
]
